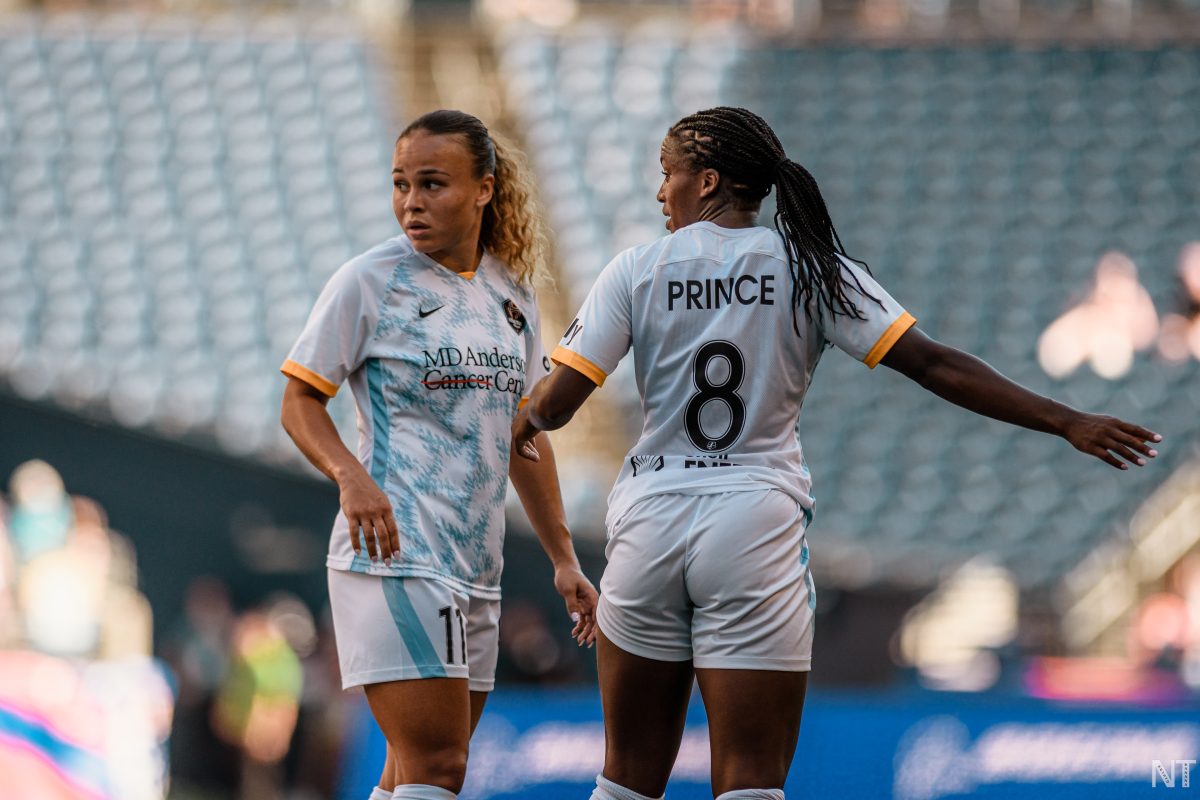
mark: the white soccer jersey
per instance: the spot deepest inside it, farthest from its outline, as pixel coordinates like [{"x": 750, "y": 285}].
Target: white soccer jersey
[
  {"x": 438, "y": 363},
  {"x": 721, "y": 371}
]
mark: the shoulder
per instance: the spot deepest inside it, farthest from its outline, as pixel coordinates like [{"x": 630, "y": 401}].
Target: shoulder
[
  {"x": 500, "y": 276},
  {"x": 377, "y": 263}
]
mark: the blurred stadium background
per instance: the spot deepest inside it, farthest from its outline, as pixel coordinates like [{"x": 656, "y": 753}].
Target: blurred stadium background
[{"x": 999, "y": 616}]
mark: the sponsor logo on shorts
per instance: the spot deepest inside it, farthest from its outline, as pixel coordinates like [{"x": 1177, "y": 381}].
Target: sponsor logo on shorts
[{"x": 644, "y": 464}]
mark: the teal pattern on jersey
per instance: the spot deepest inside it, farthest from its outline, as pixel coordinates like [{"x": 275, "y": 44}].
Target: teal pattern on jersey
[
  {"x": 444, "y": 480},
  {"x": 416, "y": 640},
  {"x": 379, "y": 422}
]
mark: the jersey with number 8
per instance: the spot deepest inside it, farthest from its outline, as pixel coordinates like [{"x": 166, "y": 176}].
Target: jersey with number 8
[{"x": 720, "y": 367}]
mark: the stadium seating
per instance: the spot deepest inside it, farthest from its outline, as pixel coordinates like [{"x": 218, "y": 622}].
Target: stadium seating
[
  {"x": 173, "y": 193},
  {"x": 981, "y": 184}
]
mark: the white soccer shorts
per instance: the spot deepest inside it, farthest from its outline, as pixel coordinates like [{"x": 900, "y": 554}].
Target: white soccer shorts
[
  {"x": 720, "y": 579},
  {"x": 397, "y": 629}
]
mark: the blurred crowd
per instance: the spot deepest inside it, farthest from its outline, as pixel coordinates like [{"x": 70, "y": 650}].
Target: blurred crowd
[{"x": 232, "y": 701}]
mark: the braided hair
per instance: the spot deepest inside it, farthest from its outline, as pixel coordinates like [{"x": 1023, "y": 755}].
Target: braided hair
[{"x": 741, "y": 146}]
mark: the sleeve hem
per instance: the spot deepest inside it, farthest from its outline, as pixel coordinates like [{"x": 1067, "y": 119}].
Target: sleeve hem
[
  {"x": 301, "y": 372},
  {"x": 897, "y": 329},
  {"x": 569, "y": 358}
]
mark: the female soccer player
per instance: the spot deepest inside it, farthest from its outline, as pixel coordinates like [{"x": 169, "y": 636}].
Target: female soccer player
[
  {"x": 707, "y": 561},
  {"x": 437, "y": 332}
]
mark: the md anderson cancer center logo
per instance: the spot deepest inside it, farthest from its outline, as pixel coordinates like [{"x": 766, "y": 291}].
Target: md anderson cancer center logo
[{"x": 450, "y": 368}]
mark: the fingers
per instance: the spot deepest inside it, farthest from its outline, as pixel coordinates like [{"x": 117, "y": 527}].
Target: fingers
[
  {"x": 1135, "y": 443},
  {"x": 1109, "y": 458},
  {"x": 527, "y": 451},
  {"x": 368, "y": 534},
  {"x": 378, "y": 534},
  {"x": 1126, "y": 453},
  {"x": 1141, "y": 433},
  {"x": 393, "y": 532}
]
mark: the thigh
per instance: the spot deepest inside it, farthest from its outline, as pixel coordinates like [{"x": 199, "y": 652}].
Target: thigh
[
  {"x": 426, "y": 723},
  {"x": 645, "y": 702},
  {"x": 747, "y": 574},
  {"x": 753, "y": 724}
]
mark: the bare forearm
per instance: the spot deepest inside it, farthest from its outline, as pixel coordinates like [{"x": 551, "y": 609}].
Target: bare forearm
[
  {"x": 537, "y": 486},
  {"x": 308, "y": 423},
  {"x": 967, "y": 381}
]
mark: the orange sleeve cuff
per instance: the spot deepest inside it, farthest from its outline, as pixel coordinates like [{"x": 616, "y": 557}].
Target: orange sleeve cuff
[
  {"x": 569, "y": 358},
  {"x": 889, "y": 338},
  {"x": 301, "y": 372}
]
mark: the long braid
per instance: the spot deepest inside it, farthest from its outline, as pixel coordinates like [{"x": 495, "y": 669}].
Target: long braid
[{"x": 741, "y": 146}]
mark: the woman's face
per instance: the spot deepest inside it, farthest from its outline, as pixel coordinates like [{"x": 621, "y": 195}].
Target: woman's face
[
  {"x": 685, "y": 191},
  {"x": 436, "y": 197}
]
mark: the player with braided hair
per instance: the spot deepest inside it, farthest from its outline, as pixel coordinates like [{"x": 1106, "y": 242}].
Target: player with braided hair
[{"x": 708, "y": 571}]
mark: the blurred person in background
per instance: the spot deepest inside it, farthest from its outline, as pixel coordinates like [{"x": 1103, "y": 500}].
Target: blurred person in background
[
  {"x": 259, "y": 701},
  {"x": 708, "y": 573},
  {"x": 84, "y": 709},
  {"x": 437, "y": 332},
  {"x": 10, "y": 620},
  {"x": 41, "y": 513},
  {"x": 198, "y": 650}
]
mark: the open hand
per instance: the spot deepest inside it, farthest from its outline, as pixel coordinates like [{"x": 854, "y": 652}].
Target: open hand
[
  {"x": 581, "y": 599},
  {"x": 1110, "y": 440},
  {"x": 367, "y": 509}
]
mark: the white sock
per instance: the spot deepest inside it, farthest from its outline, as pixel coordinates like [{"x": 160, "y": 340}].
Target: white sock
[
  {"x": 421, "y": 791},
  {"x": 753, "y": 794},
  {"x": 607, "y": 790},
  {"x": 380, "y": 794}
]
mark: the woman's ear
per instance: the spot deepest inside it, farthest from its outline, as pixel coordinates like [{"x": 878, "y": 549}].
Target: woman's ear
[
  {"x": 710, "y": 181},
  {"x": 487, "y": 188}
]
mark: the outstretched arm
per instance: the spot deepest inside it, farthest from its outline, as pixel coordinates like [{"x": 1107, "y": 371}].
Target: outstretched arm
[
  {"x": 967, "y": 381},
  {"x": 554, "y": 401},
  {"x": 537, "y": 486}
]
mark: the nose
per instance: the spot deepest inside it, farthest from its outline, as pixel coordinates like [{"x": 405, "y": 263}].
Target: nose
[
  {"x": 662, "y": 193},
  {"x": 413, "y": 201}
]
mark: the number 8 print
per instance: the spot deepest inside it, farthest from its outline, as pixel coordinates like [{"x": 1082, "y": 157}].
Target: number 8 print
[{"x": 725, "y": 392}]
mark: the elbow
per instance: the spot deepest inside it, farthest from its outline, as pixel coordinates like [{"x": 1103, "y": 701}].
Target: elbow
[{"x": 547, "y": 418}]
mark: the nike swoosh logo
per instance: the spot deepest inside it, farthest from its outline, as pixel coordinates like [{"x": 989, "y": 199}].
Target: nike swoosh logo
[{"x": 423, "y": 314}]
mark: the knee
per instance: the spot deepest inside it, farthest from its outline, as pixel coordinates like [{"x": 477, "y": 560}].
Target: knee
[
  {"x": 749, "y": 770},
  {"x": 445, "y": 767}
]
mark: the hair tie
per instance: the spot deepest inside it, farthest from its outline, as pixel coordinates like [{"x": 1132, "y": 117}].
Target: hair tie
[{"x": 780, "y": 163}]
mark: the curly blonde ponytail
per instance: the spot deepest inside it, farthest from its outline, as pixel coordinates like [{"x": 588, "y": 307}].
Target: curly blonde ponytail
[{"x": 512, "y": 222}]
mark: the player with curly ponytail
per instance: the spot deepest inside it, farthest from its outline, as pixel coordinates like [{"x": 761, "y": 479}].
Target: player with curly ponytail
[
  {"x": 437, "y": 333},
  {"x": 708, "y": 564}
]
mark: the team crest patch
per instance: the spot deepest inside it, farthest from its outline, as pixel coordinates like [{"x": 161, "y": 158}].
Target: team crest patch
[{"x": 515, "y": 317}]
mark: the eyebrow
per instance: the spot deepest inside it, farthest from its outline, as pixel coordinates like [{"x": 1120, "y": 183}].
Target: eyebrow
[{"x": 425, "y": 171}]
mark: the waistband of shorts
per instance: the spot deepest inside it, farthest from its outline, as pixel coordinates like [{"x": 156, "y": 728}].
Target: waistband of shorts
[{"x": 342, "y": 564}]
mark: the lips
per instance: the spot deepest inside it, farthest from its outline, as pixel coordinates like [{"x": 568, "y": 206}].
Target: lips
[{"x": 416, "y": 228}]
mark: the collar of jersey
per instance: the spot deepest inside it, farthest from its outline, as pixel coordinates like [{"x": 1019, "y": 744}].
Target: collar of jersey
[
  {"x": 466, "y": 276},
  {"x": 712, "y": 226}
]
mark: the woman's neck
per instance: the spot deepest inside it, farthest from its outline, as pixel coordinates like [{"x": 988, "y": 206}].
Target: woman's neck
[
  {"x": 727, "y": 216},
  {"x": 460, "y": 258}
]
